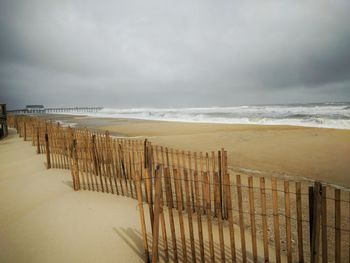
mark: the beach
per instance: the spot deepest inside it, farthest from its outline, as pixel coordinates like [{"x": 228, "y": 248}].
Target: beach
[
  {"x": 42, "y": 219},
  {"x": 301, "y": 152}
]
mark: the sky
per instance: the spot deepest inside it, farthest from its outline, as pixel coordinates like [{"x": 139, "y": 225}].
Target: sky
[{"x": 173, "y": 53}]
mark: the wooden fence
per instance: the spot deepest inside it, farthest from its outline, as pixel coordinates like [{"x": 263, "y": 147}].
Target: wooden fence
[{"x": 203, "y": 211}]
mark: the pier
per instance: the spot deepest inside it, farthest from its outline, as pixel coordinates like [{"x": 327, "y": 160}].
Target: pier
[{"x": 40, "y": 109}]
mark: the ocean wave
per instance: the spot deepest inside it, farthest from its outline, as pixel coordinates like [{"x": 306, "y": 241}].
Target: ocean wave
[{"x": 327, "y": 115}]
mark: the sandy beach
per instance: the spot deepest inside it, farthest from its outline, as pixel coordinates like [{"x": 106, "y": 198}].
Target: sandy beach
[
  {"x": 314, "y": 153},
  {"x": 42, "y": 219}
]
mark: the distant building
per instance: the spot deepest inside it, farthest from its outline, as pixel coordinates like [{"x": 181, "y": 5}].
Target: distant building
[{"x": 3, "y": 121}]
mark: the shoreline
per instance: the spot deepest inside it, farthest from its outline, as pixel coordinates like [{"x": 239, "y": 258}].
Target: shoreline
[
  {"x": 281, "y": 150},
  {"x": 78, "y": 116}
]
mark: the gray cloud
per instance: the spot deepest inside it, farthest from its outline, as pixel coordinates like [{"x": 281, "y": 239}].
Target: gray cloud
[{"x": 166, "y": 53}]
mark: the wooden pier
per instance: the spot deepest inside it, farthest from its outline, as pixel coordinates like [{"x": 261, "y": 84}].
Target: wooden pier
[{"x": 42, "y": 110}]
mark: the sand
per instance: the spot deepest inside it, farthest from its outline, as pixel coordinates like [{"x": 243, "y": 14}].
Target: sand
[
  {"x": 43, "y": 220},
  {"x": 315, "y": 153},
  {"x": 320, "y": 154}
]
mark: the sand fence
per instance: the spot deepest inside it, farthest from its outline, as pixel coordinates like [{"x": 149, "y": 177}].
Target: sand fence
[{"x": 197, "y": 210}]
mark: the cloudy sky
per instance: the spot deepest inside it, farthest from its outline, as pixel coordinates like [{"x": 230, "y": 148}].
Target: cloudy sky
[{"x": 173, "y": 53}]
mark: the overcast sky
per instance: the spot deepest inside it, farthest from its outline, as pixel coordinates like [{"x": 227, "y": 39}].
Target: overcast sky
[{"x": 173, "y": 53}]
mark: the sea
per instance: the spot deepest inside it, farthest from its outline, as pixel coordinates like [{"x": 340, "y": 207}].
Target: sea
[{"x": 323, "y": 115}]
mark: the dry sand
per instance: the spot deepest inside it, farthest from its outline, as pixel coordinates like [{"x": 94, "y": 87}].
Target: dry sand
[
  {"x": 43, "y": 220},
  {"x": 315, "y": 153}
]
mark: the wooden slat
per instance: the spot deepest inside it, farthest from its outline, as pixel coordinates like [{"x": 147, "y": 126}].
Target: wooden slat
[
  {"x": 142, "y": 218},
  {"x": 264, "y": 219},
  {"x": 191, "y": 181},
  {"x": 48, "y": 159},
  {"x": 201, "y": 176},
  {"x": 179, "y": 210},
  {"x": 219, "y": 216},
  {"x": 189, "y": 214},
  {"x": 299, "y": 222},
  {"x": 241, "y": 218},
  {"x": 155, "y": 233},
  {"x": 170, "y": 211},
  {"x": 315, "y": 223},
  {"x": 198, "y": 204},
  {"x": 288, "y": 223},
  {"x": 276, "y": 224},
  {"x": 252, "y": 218},
  {"x": 38, "y": 140},
  {"x": 324, "y": 225},
  {"x": 164, "y": 234},
  {"x": 208, "y": 212},
  {"x": 216, "y": 183},
  {"x": 337, "y": 225},
  {"x": 227, "y": 185}
]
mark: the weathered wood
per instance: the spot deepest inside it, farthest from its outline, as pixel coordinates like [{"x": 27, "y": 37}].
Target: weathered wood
[
  {"x": 201, "y": 175},
  {"x": 170, "y": 211},
  {"x": 157, "y": 207},
  {"x": 252, "y": 218},
  {"x": 142, "y": 218},
  {"x": 75, "y": 171},
  {"x": 48, "y": 159},
  {"x": 189, "y": 214},
  {"x": 337, "y": 225},
  {"x": 264, "y": 219},
  {"x": 179, "y": 210},
  {"x": 324, "y": 225},
  {"x": 198, "y": 203},
  {"x": 169, "y": 200},
  {"x": 219, "y": 213},
  {"x": 288, "y": 223},
  {"x": 25, "y": 131},
  {"x": 299, "y": 222},
  {"x": 241, "y": 218},
  {"x": 37, "y": 140},
  {"x": 208, "y": 212},
  {"x": 164, "y": 234},
  {"x": 315, "y": 230},
  {"x": 227, "y": 185},
  {"x": 276, "y": 224},
  {"x": 191, "y": 181},
  {"x": 216, "y": 184},
  {"x": 149, "y": 194}
]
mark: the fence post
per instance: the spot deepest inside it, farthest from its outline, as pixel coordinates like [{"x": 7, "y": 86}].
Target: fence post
[
  {"x": 47, "y": 151},
  {"x": 315, "y": 201},
  {"x": 142, "y": 217},
  {"x": 37, "y": 140},
  {"x": 157, "y": 208},
  {"x": 24, "y": 131},
  {"x": 75, "y": 170}
]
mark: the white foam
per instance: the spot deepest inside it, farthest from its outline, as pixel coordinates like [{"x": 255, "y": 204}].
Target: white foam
[{"x": 320, "y": 115}]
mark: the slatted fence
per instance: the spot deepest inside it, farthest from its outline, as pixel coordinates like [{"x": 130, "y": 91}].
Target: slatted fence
[{"x": 201, "y": 209}]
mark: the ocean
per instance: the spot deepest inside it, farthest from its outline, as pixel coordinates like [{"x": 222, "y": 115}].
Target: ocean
[{"x": 324, "y": 115}]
